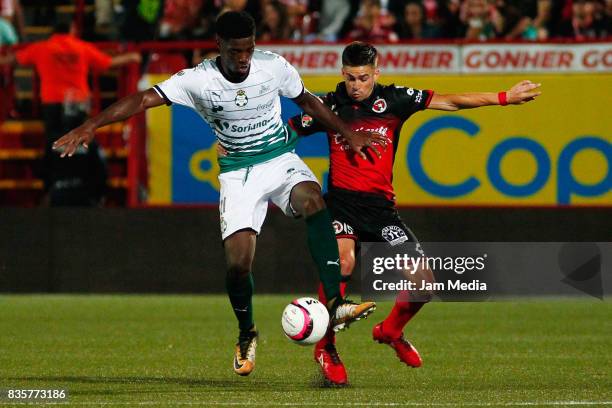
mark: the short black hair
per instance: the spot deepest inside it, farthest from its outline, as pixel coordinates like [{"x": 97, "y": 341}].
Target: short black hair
[
  {"x": 358, "y": 53},
  {"x": 235, "y": 24}
]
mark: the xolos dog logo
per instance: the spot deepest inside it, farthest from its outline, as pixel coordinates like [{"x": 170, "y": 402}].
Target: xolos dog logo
[{"x": 379, "y": 105}]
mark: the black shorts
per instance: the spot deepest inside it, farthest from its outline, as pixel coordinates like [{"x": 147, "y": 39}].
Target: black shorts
[{"x": 366, "y": 217}]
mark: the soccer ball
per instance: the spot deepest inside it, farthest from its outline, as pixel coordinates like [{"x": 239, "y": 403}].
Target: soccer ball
[{"x": 305, "y": 321}]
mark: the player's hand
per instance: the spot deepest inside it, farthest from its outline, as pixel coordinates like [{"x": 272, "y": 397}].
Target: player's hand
[
  {"x": 221, "y": 152},
  {"x": 68, "y": 144},
  {"x": 522, "y": 92},
  {"x": 135, "y": 57},
  {"x": 361, "y": 140}
]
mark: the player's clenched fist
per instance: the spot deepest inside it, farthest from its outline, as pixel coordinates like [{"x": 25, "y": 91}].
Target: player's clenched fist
[
  {"x": 522, "y": 92},
  {"x": 70, "y": 142}
]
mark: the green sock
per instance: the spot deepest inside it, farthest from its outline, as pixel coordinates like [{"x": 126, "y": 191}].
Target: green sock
[
  {"x": 240, "y": 292},
  {"x": 324, "y": 250}
]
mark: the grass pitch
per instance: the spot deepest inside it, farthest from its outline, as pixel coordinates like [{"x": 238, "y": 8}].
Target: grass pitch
[{"x": 177, "y": 350}]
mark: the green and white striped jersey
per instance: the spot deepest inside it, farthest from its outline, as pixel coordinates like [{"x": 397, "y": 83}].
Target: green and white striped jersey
[{"x": 245, "y": 116}]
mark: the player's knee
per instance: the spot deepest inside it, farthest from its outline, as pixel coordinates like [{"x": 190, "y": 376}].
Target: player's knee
[
  {"x": 238, "y": 269},
  {"x": 312, "y": 202}
]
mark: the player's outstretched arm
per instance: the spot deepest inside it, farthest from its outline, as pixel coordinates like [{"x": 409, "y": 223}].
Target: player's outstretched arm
[
  {"x": 358, "y": 141},
  {"x": 118, "y": 111},
  {"x": 520, "y": 93},
  {"x": 127, "y": 58}
]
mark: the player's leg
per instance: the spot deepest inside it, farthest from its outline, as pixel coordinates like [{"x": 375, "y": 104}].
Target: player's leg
[
  {"x": 239, "y": 254},
  {"x": 306, "y": 200},
  {"x": 242, "y": 208},
  {"x": 391, "y": 330},
  {"x": 407, "y": 303},
  {"x": 299, "y": 194},
  {"x": 346, "y": 250},
  {"x": 325, "y": 352}
]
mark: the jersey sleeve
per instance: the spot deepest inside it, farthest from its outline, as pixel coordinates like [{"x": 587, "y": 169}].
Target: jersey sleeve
[
  {"x": 27, "y": 55},
  {"x": 180, "y": 88},
  {"x": 96, "y": 59},
  {"x": 291, "y": 84},
  {"x": 407, "y": 101},
  {"x": 304, "y": 124}
]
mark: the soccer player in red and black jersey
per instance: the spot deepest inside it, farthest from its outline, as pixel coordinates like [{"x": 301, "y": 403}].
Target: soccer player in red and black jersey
[{"x": 361, "y": 198}]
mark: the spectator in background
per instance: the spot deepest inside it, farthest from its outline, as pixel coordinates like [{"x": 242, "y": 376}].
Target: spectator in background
[
  {"x": 253, "y": 7},
  {"x": 607, "y": 18},
  {"x": 63, "y": 63},
  {"x": 588, "y": 21},
  {"x": 413, "y": 25},
  {"x": 450, "y": 24},
  {"x": 482, "y": 19},
  {"x": 141, "y": 19},
  {"x": 300, "y": 21},
  {"x": 180, "y": 18},
  {"x": 396, "y": 7},
  {"x": 103, "y": 12},
  {"x": 525, "y": 19},
  {"x": 275, "y": 22},
  {"x": 105, "y": 19},
  {"x": 208, "y": 15},
  {"x": 205, "y": 28},
  {"x": 371, "y": 25},
  {"x": 233, "y": 5},
  {"x": 8, "y": 36},
  {"x": 443, "y": 16},
  {"x": 334, "y": 14},
  {"x": 368, "y": 8},
  {"x": 11, "y": 11},
  {"x": 432, "y": 10},
  {"x": 560, "y": 12},
  {"x": 542, "y": 19}
]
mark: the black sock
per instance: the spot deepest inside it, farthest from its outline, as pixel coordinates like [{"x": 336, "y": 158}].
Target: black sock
[
  {"x": 324, "y": 250},
  {"x": 240, "y": 291}
]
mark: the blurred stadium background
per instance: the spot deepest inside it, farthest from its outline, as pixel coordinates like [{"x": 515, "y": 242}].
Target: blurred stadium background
[{"x": 538, "y": 172}]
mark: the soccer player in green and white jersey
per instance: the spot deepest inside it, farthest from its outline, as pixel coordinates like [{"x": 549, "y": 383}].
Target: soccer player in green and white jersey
[{"x": 238, "y": 95}]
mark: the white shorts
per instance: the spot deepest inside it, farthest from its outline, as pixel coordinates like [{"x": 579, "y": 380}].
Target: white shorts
[{"x": 245, "y": 192}]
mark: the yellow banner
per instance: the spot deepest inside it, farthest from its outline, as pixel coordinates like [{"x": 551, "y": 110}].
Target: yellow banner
[{"x": 553, "y": 151}]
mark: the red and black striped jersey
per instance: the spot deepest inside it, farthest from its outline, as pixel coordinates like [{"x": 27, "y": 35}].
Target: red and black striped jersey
[{"x": 385, "y": 111}]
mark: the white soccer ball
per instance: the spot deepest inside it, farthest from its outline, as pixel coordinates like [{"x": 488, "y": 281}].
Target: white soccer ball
[{"x": 305, "y": 321}]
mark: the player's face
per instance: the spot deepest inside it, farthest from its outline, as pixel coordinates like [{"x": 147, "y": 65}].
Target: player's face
[
  {"x": 360, "y": 81},
  {"x": 236, "y": 55}
]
